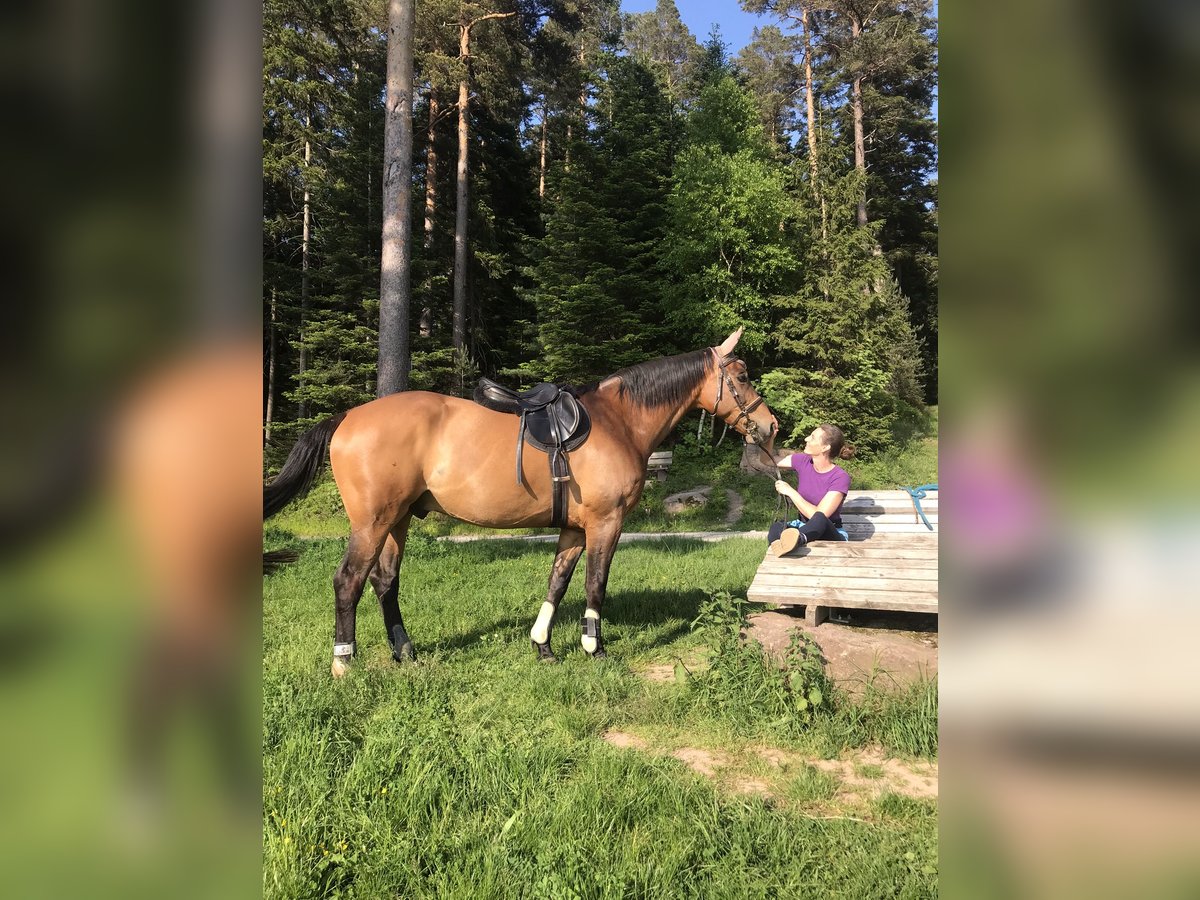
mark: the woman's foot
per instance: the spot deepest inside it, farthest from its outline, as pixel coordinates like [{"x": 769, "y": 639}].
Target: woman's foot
[{"x": 789, "y": 540}]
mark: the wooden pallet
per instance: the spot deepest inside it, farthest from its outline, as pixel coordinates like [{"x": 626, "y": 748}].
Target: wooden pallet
[{"x": 889, "y": 563}]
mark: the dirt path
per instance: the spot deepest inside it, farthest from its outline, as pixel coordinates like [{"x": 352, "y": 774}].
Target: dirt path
[{"x": 859, "y": 777}]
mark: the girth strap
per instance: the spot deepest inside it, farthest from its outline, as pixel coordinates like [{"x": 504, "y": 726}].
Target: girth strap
[{"x": 520, "y": 449}]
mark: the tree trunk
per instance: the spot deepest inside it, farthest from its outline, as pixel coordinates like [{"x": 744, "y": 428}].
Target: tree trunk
[
  {"x": 426, "y": 326},
  {"x": 811, "y": 110},
  {"x": 431, "y": 166},
  {"x": 542, "y": 160},
  {"x": 395, "y": 286},
  {"x": 269, "y": 418},
  {"x": 302, "y": 412},
  {"x": 860, "y": 149},
  {"x": 460, "y": 213},
  {"x": 459, "y": 335}
]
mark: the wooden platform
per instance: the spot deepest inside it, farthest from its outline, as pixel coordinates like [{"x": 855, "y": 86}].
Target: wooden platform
[{"x": 890, "y": 562}]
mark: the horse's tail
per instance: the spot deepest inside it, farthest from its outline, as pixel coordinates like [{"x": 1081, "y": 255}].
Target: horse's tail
[{"x": 301, "y": 467}]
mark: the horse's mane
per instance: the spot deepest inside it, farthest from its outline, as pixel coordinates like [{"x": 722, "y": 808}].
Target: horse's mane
[{"x": 659, "y": 382}]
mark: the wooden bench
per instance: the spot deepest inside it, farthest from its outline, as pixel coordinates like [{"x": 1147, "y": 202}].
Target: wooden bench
[{"x": 890, "y": 562}]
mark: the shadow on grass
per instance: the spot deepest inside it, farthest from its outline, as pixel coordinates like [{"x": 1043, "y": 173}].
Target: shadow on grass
[
  {"x": 471, "y": 639},
  {"x": 638, "y": 614},
  {"x": 498, "y": 549}
]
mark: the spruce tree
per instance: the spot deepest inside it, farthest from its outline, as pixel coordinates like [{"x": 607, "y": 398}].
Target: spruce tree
[
  {"x": 597, "y": 280},
  {"x": 731, "y": 247}
]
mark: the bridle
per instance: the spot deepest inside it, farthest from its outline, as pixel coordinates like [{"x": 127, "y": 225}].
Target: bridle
[{"x": 752, "y": 429}]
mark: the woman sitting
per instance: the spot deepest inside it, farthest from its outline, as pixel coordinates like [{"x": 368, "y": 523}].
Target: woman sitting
[{"x": 822, "y": 487}]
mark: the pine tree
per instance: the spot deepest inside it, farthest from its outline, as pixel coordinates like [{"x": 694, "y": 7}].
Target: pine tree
[
  {"x": 731, "y": 244},
  {"x": 845, "y": 340},
  {"x": 769, "y": 69},
  {"x": 597, "y": 279},
  {"x": 660, "y": 41},
  {"x": 307, "y": 78}
]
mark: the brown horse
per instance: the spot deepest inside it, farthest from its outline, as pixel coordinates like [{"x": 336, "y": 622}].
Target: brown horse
[{"x": 409, "y": 453}]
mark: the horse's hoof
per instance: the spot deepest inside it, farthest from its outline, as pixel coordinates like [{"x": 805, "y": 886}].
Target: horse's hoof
[
  {"x": 599, "y": 654},
  {"x": 544, "y": 653},
  {"x": 340, "y": 667},
  {"x": 405, "y": 653}
]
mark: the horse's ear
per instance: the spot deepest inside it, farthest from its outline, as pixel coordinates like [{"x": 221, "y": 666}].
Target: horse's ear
[{"x": 729, "y": 343}]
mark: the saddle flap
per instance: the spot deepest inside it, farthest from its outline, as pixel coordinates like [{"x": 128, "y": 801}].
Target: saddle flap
[{"x": 564, "y": 423}]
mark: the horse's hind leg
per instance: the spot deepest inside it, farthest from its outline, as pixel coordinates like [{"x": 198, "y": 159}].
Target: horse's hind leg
[
  {"x": 385, "y": 579},
  {"x": 348, "y": 583},
  {"x": 570, "y": 546}
]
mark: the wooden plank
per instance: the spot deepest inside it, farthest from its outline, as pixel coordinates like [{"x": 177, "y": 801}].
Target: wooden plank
[
  {"x": 898, "y": 537},
  {"x": 873, "y": 508},
  {"x": 891, "y": 540},
  {"x": 820, "y": 582},
  {"x": 898, "y": 500},
  {"x": 867, "y": 550},
  {"x": 805, "y": 563},
  {"x": 872, "y": 527},
  {"x": 875, "y": 515},
  {"x": 851, "y": 600},
  {"x": 832, "y": 593},
  {"x": 892, "y": 522},
  {"x": 832, "y": 569},
  {"x": 887, "y": 495}
]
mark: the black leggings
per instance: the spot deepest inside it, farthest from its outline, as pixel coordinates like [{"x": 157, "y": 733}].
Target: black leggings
[{"x": 818, "y": 528}]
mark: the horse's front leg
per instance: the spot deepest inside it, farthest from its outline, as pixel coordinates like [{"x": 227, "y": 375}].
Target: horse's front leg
[
  {"x": 570, "y": 547},
  {"x": 601, "y": 544}
]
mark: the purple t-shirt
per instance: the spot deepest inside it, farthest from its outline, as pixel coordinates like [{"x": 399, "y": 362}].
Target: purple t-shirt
[{"x": 814, "y": 485}]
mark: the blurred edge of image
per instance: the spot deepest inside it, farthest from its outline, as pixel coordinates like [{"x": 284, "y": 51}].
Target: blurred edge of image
[
  {"x": 131, "y": 381},
  {"x": 132, "y": 385},
  {"x": 1070, "y": 718}
]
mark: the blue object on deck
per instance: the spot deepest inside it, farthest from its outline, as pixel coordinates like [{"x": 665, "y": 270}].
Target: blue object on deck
[{"x": 918, "y": 494}]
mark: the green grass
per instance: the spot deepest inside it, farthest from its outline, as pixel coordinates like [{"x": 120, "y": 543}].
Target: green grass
[{"x": 481, "y": 773}]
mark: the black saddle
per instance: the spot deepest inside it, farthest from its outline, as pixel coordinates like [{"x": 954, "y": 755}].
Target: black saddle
[{"x": 552, "y": 420}]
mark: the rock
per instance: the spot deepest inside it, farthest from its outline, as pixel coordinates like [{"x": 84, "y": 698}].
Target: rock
[{"x": 685, "y": 500}]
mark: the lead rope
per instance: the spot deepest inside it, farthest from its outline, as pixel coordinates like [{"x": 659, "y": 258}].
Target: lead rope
[
  {"x": 918, "y": 494},
  {"x": 778, "y": 477}
]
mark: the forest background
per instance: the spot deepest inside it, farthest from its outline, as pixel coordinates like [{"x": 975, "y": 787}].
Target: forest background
[{"x": 628, "y": 192}]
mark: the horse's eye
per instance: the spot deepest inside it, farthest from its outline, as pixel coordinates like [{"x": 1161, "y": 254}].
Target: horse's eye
[{"x": 744, "y": 379}]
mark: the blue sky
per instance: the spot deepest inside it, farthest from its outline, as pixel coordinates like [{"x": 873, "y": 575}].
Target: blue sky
[
  {"x": 699, "y": 16},
  {"x": 736, "y": 25}
]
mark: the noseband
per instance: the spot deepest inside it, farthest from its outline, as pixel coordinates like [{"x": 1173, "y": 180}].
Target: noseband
[{"x": 751, "y": 429}]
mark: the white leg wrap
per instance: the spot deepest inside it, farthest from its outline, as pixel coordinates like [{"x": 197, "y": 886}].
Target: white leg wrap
[
  {"x": 541, "y": 628},
  {"x": 589, "y": 643},
  {"x": 342, "y": 654}
]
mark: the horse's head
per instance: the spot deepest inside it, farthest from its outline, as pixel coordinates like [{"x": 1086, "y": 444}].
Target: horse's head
[{"x": 730, "y": 396}]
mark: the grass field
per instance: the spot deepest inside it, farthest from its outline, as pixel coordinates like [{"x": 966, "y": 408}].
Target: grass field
[{"x": 480, "y": 773}]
